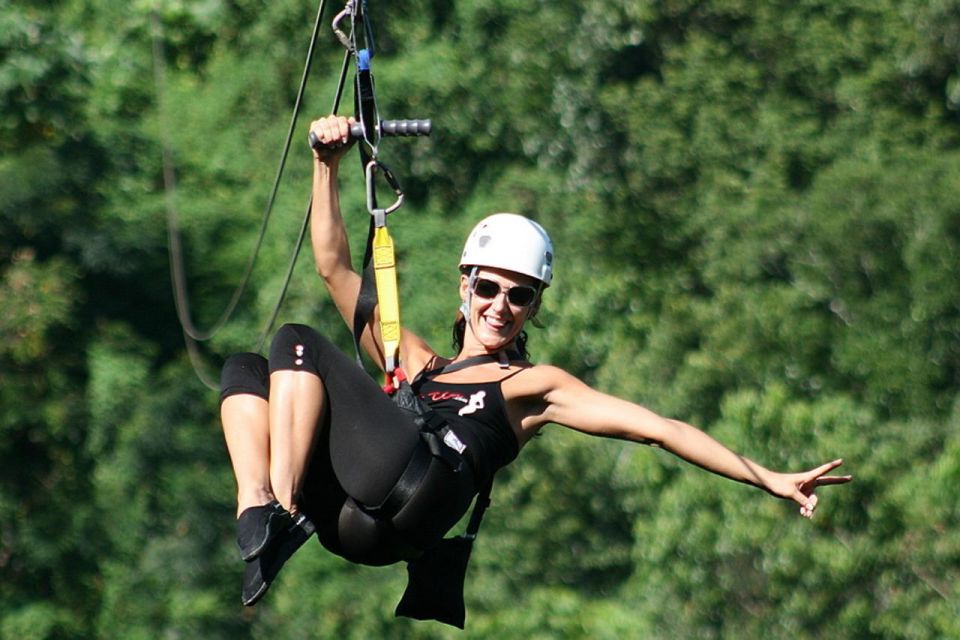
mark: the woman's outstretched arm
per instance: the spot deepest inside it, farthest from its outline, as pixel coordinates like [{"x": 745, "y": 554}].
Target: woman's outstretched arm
[{"x": 570, "y": 402}]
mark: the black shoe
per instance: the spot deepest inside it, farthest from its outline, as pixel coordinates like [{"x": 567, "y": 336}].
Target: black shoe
[
  {"x": 261, "y": 570},
  {"x": 257, "y": 526}
]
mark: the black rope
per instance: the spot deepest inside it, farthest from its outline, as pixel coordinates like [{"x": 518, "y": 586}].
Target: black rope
[
  {"x": 366, "y": 110},
  {"x": 268, "y": 327},
  {"x": 298, "y": 245},
  {"x": 192, "y": 334},
  {"x": 181, "y": 294},
  {"x": 174, "y": 248}
]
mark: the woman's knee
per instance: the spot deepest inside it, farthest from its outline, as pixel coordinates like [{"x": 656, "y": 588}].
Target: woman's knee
[
  {"x": 297, "y": 347},
  {"x": 245, "y": 373}
]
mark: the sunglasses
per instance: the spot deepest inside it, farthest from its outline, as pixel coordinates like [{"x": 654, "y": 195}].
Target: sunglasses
[{"x": 521, "y": 295}]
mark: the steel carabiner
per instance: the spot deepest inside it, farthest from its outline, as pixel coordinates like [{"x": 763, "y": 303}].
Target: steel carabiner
[
  {"x": 380, "y": 213},
  {"x": 345, "y": 40}
]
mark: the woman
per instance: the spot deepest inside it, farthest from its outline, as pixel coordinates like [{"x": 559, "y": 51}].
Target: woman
[{"x": 317, "y": 446}]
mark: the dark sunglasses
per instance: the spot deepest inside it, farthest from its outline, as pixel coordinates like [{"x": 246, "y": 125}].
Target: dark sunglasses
[{"x": 521, "y": 295}]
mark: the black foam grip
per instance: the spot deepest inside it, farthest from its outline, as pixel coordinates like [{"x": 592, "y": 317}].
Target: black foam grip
[{"x": 397, "y": 128}]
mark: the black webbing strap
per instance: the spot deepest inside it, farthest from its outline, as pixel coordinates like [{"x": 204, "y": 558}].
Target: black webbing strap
[
  {"x": 364, "y": 106},
  {"x": 410, "y": 481},
  {"x": 479, "y": 508},
  {"x": 468, "y": 362},
  {"x": 365, "y": 99},
  {"x": 406, "y": 485},
  {"x": 367, "y": 298},
  {"x": 432, "y": 428}
]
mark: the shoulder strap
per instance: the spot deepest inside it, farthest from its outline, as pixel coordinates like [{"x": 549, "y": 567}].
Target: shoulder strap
[{"x": 470, "y": 362}]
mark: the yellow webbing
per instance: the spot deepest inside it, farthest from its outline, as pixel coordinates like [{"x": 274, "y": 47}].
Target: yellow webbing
[{"x": 385, "y": 269}]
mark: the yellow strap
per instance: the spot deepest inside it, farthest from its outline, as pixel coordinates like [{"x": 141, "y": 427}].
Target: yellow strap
[{"x": 385, "y": 269}]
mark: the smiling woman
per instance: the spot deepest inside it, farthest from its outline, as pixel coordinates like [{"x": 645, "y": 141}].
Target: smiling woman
[
  {"x": 317, "y": 446},
  {"x": 516, "y": 257}
]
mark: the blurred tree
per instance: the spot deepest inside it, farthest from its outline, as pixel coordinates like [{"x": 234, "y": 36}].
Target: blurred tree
[
  {"x": 45, "y": 158},
  {"x": 752, "y": 205}
]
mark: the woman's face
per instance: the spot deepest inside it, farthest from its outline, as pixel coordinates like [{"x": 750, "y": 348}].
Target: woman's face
[{"x": 500, "y": 302}]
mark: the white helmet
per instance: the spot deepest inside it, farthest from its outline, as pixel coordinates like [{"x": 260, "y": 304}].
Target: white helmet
[{"x": 512, "y": 242}]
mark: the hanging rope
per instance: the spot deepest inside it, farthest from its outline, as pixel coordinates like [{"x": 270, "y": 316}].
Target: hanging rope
[
  {"x": 192, "y": 334},
  {"x": 178, "y": 272},
  {"x": 169, "y": 190},
  {"x": 305, "y": 225}
]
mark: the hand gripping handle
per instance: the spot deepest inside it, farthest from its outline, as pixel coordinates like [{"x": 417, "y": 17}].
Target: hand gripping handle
[{"x": 388, "y": 128}]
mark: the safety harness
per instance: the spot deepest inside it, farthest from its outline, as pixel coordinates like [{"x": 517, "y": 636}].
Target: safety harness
[{"x": 442, "y": 442}]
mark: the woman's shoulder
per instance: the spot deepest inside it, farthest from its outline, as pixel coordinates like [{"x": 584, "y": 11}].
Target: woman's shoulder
[
  {"x": 536, "y": 380},
  {"x": 531, "y": 393}
]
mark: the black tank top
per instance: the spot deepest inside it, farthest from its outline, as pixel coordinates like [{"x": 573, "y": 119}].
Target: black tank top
[{"x": 477, "y": 413}]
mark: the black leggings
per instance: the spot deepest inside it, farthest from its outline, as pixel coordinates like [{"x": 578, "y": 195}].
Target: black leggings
[{"x": 364, "y": 445}]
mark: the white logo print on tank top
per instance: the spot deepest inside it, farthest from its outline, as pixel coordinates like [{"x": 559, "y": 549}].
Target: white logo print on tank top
[{"x": 475, "y": 403}]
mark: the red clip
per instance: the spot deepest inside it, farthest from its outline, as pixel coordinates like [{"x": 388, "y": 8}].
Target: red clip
[{"x": 392, "y": 381}]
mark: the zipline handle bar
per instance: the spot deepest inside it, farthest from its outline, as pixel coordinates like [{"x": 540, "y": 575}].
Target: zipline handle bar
[
  {"x": 387, "y": 128},
  {"x": 406, "y": 128}
]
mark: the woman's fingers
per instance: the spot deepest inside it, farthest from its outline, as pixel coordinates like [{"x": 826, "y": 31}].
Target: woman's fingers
[
  {"x": 826, "y": 468},
  {"x": 808, "y": 505},
  {"x": 825, "y": 480},
  {"x": 819, "y": 479},
  {"x": 330, "y": 132},
  {"x": 804, "y": 494}
]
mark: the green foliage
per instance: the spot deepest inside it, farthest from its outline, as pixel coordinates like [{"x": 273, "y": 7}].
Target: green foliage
[
  {"x": 155, "y": 449},
  {"x": 753, "y": 206}
]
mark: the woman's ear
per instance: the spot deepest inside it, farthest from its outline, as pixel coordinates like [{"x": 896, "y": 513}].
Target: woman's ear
[{"x": 534, "y": 310}]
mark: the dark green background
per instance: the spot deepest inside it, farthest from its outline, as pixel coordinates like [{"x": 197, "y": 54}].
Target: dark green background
[{"x": 756, "y": 212}]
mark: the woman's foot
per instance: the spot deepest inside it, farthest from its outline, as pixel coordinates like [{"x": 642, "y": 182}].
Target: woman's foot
[
  {"x": 263, "y": 568},
  {"x": 257, "y": 526}
]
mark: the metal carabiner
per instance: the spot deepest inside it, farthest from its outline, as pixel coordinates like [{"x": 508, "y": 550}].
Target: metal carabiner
[
  {"x": 379, "y": 214},
  {"x": 345, "y": 40}
]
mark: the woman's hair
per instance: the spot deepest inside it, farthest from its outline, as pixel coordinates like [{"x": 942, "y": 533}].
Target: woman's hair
[{"x": 460, "y": 327}]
